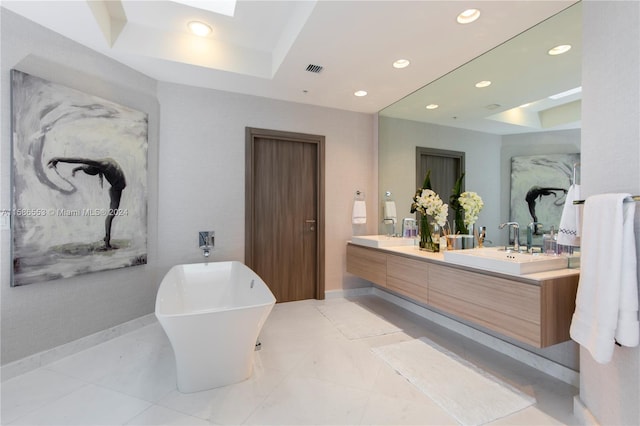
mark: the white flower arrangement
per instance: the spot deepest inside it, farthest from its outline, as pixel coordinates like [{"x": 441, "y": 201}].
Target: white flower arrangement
[
  {"x": 472, "y": 205},
  {"x": 429, "y": 203}
]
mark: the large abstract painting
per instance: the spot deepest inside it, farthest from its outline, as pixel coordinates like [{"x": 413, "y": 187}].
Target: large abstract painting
[
  {"x": 79, "y": 182},
  {"x": 539, "y": 185}
]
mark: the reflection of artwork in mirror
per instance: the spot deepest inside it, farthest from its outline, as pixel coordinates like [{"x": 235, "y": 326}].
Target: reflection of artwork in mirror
[
  {"x": 79, "y": 182},
  {"x": 539, "y": 184}
]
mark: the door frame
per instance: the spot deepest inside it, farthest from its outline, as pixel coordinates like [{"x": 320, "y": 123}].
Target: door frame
[
  {"x": 422, "y": 151},
  {"x": 251, "y": 135}
]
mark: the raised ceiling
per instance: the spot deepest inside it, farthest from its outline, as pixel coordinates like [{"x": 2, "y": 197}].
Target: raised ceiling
[{"x": 265, "y": 48}]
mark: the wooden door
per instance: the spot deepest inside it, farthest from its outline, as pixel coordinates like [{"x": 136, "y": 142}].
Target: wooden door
[
  {"x": 283, "y": 213},
  {"x": 446, "y": 167}
]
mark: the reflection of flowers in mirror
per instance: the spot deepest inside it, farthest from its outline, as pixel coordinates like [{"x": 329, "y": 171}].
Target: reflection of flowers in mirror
[{"x": 472, "y": 205}]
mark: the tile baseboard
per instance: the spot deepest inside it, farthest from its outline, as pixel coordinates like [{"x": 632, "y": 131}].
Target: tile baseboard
[
  {"x": 49, "y": 356},
  {"x": 349, "y": 292}
]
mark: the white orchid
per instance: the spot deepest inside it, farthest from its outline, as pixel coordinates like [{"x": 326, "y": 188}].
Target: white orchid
[
  {"x": 428, "y": 203},
  {"x": 472, "y": 205}
]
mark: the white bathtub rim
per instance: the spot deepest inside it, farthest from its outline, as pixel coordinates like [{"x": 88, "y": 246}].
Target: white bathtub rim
[{"x": 227, "y": 308}]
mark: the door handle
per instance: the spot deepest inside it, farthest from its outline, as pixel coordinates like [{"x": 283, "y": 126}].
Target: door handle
[{"x": 311, "y": 223}]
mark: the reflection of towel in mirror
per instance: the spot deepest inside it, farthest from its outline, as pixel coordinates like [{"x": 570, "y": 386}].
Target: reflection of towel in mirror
[
  {"x": 390, "y": 210},
  {"x": 607, "y": 299},
  {"x": 359, "y": 214},
  {"x": 569, "y": 230}
]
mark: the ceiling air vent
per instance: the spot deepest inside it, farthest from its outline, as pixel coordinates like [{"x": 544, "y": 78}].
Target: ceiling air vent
[{"x": 314, "y": 68}]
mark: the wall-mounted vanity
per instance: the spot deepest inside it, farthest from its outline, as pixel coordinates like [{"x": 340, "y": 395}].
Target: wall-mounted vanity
[{"x": 534, "y": 309}]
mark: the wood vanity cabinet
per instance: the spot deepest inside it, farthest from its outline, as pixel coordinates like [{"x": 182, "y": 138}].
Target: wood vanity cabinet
[
  {"x": 367, "y": 263},
  {"x": 536, "y": 312},
  {"x": 408, "y": 277}
]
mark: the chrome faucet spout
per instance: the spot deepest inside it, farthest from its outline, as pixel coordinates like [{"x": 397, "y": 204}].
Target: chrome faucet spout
[
  {"x": 392, "y": 221},
  {"x": 516, "y": 233}
]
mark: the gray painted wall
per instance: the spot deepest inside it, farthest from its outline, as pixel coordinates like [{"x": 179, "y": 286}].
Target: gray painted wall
[
  {"x": 196, "y": 182},
  {"x": 397, "y": 169},
  {"x": 611, "y": 163},
  {"x": 39, "y": 316},
  {"x": 202, "y": 171}
]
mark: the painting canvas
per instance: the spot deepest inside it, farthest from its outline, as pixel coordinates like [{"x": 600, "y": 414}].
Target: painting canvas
[
  {"x": 79, "y": 182},
  {"x": 539, "y": 185}
]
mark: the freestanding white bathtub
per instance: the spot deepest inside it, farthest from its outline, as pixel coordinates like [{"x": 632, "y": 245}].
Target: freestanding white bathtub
[{"x": 212, "y": 314}]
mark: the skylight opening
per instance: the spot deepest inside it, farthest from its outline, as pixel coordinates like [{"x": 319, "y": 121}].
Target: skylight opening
[
  {"x": 222, "y": 7},
  {"x": 566, "y": 93}
]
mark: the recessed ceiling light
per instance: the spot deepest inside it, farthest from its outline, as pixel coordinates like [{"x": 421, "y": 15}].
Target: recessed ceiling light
[
  {"x": 401, "y": 63},
  {"x": 468, "y": 16},
  {"x": 361, "y": 93},
  {"x": 559, "y": 50},
  {"x": 432, "y": 106},
  {"x": 483, "y": 83},
  {"x": 199, "y": 28}
]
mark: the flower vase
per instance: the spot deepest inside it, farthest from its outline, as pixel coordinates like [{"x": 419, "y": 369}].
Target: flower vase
[
  {"x": 458, "y": 224},
  {"x": 470, "y": 241},
  {"x": 427, "y": 242}
]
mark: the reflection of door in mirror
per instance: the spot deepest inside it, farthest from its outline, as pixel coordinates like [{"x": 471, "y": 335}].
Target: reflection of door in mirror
[{"x": 446, "y": 167}]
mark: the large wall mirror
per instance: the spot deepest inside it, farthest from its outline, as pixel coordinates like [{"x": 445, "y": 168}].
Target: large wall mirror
[{"x": 514, "y": 116}]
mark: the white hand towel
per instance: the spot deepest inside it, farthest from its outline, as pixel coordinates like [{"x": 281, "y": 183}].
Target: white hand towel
[
  {"x": 390, "y": 210},
  {"x": 359, "y": 214},
  {"x": 607, "y": 299},
  {"x": 569, "y": 230}
]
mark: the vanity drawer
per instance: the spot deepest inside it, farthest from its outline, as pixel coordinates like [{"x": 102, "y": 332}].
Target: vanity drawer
[
  {"x": 408, "y": 277},
  {"x": 368, "y": 264},
  {"x": 509, "y": 307}
]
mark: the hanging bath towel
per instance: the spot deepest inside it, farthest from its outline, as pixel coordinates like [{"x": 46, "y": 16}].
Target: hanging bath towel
[
  {"x": 607, "y": 300},
  {"x": 390, "y": 211},
  {"x": 359, "y": 214},
  {"x": 569, "y": 230}
]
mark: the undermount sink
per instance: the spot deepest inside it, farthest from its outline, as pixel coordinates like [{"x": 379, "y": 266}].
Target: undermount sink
[
  {"x": 378, "y": 241},
  {"x": 499, "y": 260}
]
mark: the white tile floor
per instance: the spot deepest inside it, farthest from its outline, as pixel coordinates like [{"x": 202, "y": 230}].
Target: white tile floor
[{"x": 306, "y": 373}]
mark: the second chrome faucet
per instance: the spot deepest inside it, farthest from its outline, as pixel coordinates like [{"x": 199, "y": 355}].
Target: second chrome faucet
[{"x": 516, "y": 233}]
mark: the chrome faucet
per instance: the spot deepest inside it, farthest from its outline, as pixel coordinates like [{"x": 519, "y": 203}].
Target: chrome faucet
[
  {"x": 206, "y": 241},
  {"x": 516, "y": 233},
  {"x": 532, "y": 229},
  {"x": 392, "y": 221}
]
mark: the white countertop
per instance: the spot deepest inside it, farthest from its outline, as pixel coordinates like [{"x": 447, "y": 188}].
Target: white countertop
[{"x": 414, "y": 251}]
